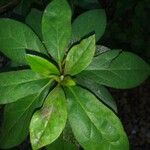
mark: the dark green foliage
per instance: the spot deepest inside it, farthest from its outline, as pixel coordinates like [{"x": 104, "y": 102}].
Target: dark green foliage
[{"x": 62, "y": 84}]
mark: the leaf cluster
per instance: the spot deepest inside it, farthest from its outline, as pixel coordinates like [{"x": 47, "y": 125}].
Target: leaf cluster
[{"x": 63, "y": 81}]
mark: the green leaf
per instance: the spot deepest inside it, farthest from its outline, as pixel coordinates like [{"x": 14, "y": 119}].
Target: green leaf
[
  {"x": 15, "y": 85},
  {"x": 61, "y": 144},
  {"x": 117, "y": 69},
  {"x": 56, "y": 28},
  {"x": 80, "y": 56},
  {"x": 100, "y": 91},
  {"x": 101, "y": 49},
  {"x": 89, "y": 22},
  {"x": 48, "y": 122},
  {"x": 34, "y": 19},
  {"x": 15, "y": 38},
  {"x": 93, "y": 124},
  {"x": 17, "y": 116},
  {"x": 41, "y": 65}
]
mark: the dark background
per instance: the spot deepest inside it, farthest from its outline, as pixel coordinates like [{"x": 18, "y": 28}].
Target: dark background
[{"x": 127, "y": 29}]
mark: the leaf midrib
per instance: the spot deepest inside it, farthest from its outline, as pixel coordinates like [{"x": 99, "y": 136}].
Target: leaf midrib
[
  {"x": 75, "y": 64},
  {"x": 89, "y": 117}
]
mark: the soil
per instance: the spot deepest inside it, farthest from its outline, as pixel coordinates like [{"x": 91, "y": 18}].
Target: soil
[{"x": 134, "y": 109}]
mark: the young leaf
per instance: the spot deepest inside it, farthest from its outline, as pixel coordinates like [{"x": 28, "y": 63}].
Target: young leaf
[
  {"x": 41, "y": 65},
  {"x": 117, "y": 69},
  {"x": 100, "y": 91},
  {"x": 15, "y": 85},
  {"x": 15, "y": 38},
  {"x": 88, "y": 22},
  {"x": 48, "y": 122},
  {"x": 56, "y": 28},
  {"x": 34, "y": 20},
  {"x": 61, "y": 144},
  {"x": 93, "y": 124},
  {"x": 80, "y": 56}
]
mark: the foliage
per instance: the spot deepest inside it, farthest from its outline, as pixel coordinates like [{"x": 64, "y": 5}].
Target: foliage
[{"x": 60, "y": 78}]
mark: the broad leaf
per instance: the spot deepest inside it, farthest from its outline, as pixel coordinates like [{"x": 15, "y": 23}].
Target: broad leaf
[
  {"x": 56, "y": 28},
  {"x": 41, "y": 65},
  {"x": 94, "y": 125},
  {"x": 117, "y": 69},
  {"x": 48, "y": 122},
  {"x": 100, "y": 91},
  {"x": 34, "y": 20},
  {"x": 61, "y": 144},
  {"x": 17, "y": 116},
  {"x": 89, "y": 22},
  {"x": 80, "y": 56},
  {"x": 15, "y": 38},
  {"x": 15, "y": 85}
]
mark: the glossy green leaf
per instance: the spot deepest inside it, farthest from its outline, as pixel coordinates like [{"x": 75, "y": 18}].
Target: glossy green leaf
[
  {"x": 89, "y": 22},
  {"x": 61, "y": 144},
  {"x": 41, "y": 65},
  {"x": 80, "y": 56},
  {"x": 17, "y": 116},
  {"x": 15, "y": 38},
  {"x": 117, "y": 69},
  {"x": 48, "y": 122},
  {"x": 34, "y": 19},
  {"x": 100, "y": 91},
  {"x": 56, "y": 28},
  {"x": 94, "y": 125},
  {"x": 15, "y": 85}
]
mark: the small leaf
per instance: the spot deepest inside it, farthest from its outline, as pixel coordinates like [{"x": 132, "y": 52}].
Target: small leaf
[
  {"x": 94, "y": 125},
  {"x": 80, "y": 56},
  {"x": 117, "y": 69},
  {"x": 68, "y": 81},
  {"x": 34, "y": 20},
  {"x": 15, "y": 85},
  {"x": 48, "y": 122},
  {"x": 56, "y": 28},
  {"x": 100, "y": 91},
  {"x": 15, "y": 38},
  {"x": 41, "y": 65},
  {"x": 89, "y": 22}
]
